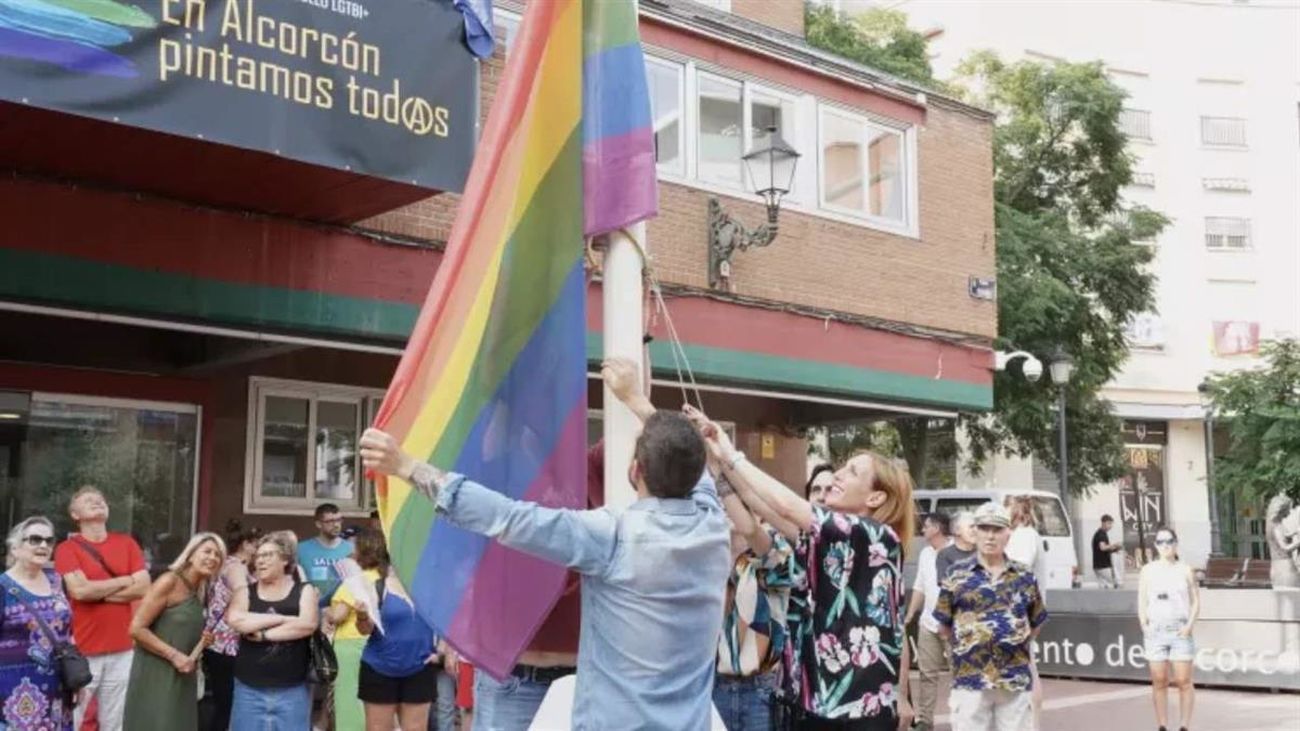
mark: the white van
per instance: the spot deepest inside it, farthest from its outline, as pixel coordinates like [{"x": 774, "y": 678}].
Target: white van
[{"x": 1058, "y": 542}]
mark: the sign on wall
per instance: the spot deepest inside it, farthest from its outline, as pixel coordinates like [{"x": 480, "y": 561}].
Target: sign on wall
[
  {"x": 1142, "y": 489},
  {"x": 384, "y": 88}
]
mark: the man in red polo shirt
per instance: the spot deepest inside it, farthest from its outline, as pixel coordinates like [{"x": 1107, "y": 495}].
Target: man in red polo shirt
[
  {"x": 553, "y": 653},
  {"x": 103, "y": 573}
]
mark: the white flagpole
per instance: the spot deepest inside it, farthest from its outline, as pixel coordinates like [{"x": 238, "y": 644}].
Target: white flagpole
[{"x": 623, "y": 333}]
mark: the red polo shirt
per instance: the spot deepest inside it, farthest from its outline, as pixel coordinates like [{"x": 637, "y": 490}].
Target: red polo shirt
[{"x": 559, "y": 633}]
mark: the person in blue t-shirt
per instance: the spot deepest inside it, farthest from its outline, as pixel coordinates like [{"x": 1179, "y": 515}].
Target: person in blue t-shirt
[
  {"x": 319, "y": 557},
  {"x": 399, "y": 665}
]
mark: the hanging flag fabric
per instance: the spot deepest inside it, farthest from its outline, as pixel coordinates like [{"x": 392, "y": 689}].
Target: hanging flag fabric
[
  {"x": 479, "y": 33},
  {"x": 493, "y": 382},
  {"x": 618, "y": 154}
]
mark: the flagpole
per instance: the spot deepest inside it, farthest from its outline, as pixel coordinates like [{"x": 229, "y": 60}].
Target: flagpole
[{"x": 623, "y": 331}]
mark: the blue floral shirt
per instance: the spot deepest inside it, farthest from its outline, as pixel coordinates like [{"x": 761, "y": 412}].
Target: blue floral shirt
[
  {"x": 992, "y": 622},
  {"x": 846, "y": 619}
]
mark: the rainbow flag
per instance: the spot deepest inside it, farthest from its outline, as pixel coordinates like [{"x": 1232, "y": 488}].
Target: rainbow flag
[{"x": 493, "y": 382}]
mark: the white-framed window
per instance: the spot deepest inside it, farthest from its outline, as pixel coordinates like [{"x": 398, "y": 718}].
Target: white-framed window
[
  {"x": 1227, "y": 234},
  {"x": 1223, "y": 131},
  {"x": 864, "y": 167},
  {"x": 706, "y": 119},
  {"x": 667, "y": 85},
  {"x": 719, "y": 129},
  {"x": 1145, "y": 331},
  {"x": 1143, "y": 180},
  {"x": 1227, "y": 185},
  {"x": 1136, "y": 123},
  {"x": 302, "y": 446}
]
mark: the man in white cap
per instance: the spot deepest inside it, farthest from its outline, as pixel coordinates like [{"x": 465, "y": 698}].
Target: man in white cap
[{"x": 991, "y": 608}]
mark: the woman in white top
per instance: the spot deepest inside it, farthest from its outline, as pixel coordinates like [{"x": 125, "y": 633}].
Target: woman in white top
[
  {"x": 1025, "y": 547},
  {"x": 1167, "y": 608}
]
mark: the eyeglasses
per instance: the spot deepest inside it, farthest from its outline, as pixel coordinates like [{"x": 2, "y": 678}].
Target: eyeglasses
[
  {"x": 1166, "y": 542},
  {"x": 35, "y": 540}
]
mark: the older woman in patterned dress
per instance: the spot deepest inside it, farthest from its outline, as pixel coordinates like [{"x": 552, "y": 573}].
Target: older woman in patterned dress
[{"x": 29, "y": 681}]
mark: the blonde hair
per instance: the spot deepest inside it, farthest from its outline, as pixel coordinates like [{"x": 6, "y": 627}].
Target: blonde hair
[
  {"x": 16, "y": 536},
  {"x": 898, "y": 511}
]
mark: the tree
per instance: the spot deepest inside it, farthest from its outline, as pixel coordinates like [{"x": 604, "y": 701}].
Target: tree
[
  {"x": 1069, "y": 273},
  {"x": 878, "y": 38},
  {"x": 1261, "y": 408}
]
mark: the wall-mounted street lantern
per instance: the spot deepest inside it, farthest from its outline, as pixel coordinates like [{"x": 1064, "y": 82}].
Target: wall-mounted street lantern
[{"x": 771, "y": 166}]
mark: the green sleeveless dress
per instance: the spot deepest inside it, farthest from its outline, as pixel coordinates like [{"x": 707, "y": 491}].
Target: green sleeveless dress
[{"x": 159, "y": 698}]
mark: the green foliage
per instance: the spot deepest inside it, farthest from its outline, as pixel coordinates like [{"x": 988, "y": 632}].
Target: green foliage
[
  {"x": 1069, "y": 273},
  {"x": 878, "y": 38},
  {"x": 1262, "y": 411}
]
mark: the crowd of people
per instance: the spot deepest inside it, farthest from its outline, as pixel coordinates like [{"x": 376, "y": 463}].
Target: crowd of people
[{"x": 719, "y": 588}]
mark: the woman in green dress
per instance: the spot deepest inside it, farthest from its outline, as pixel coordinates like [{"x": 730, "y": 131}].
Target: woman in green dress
[{"x": 168, "y": 629}]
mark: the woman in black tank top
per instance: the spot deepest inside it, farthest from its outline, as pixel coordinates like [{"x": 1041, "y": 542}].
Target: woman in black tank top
[{"x": 275, "y": 618}]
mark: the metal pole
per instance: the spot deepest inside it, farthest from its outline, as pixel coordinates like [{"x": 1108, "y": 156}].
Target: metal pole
[
  {"x": 1216, "y": 541},
  {"x": 1063, "y": 478},
  {"x": 621, "y": 293}
]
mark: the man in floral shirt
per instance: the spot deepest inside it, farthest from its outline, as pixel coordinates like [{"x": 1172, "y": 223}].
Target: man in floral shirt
[{"x": 991, "y": 608}]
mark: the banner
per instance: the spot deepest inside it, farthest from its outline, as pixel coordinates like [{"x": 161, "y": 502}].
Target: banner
[
  {"x": 386, "y": 89},
  {"x": 1239, "y": 654}
]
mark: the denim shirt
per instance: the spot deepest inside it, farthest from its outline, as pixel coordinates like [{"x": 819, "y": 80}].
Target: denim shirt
[{"x": 653, "y": 579}]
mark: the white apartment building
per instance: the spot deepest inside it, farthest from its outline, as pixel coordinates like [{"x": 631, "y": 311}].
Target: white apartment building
[{"x": 1214, "y": 118}]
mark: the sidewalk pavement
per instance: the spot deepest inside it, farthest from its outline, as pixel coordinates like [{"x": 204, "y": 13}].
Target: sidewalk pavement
[{"x": 1083, "y": 705}]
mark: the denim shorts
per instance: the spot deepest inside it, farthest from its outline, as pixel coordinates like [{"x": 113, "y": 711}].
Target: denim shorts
[
  {"x": 271, "y": 709},
  {"x": 1162, "y": 644}
]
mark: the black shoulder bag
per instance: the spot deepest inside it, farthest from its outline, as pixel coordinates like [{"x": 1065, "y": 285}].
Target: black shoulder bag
[
  {"x": 94, "y": 552},
  {"x": 323, "y": 664},
  {"x": 71, "y": 665}
]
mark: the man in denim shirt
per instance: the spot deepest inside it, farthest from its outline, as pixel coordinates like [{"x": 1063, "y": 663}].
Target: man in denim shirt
[{"x": 653, "y": 575}]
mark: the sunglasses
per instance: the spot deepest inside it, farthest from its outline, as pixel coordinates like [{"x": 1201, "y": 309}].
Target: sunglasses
[
  {"x": 1166, "y": 542},
  {"x": 35, "y": 540}
]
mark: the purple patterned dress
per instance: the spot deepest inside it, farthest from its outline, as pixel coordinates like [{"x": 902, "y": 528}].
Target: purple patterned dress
[{"x": 29, "y": 687}]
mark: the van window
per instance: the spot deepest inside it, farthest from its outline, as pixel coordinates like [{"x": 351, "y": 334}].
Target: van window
[
  {"x": 922, "y": 507},
  {"x": 1052, "y": 522},
  {"x": 954, "y": 505}
]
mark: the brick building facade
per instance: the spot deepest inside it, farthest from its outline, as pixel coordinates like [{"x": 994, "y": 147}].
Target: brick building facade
[{"x": 205, "y": 358}]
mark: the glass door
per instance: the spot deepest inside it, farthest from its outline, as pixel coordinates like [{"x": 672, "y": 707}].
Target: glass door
[{"x": 142, "y": 455}]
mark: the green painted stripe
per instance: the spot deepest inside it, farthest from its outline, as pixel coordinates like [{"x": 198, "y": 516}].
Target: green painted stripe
[
  {"x": 410, "y": 534},
  {"x": 832, "y": 379},
  {"x": 539, "y": 256},
  {"x": 84, "y": 283},
  {"x": 67, "y": 281},
  {"x": 608, "y": 24}
]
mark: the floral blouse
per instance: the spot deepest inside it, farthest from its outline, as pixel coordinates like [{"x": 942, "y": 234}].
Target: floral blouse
[
  {"x": 226, "y": 639},
  {"x": 846, "y": 619}
]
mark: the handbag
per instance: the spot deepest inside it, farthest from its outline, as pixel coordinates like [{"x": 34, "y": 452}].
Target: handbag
[
  {"x": 323, "y": 664},
  {"x": 73, "y": 667}
]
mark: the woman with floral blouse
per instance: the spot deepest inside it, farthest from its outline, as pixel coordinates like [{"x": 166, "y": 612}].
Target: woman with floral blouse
[{"x": 846, "y": 663}]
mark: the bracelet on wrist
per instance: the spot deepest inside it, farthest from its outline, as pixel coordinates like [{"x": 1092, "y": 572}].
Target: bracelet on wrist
[{"x": 736, "y": 459}]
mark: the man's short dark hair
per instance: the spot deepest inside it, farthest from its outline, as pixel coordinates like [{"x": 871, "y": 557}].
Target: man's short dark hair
[
  {"x": 1107, "y": 519},
  {"x": 942, "y": 521},
  {"x": 325, "y": 509},
  {"x": 671, "y": 454}
]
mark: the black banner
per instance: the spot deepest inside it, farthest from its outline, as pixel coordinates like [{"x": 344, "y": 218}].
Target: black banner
[
  {"x": 1108, "y": 647},
  {"x": 379, "y": 87}
]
